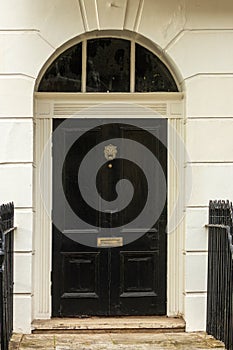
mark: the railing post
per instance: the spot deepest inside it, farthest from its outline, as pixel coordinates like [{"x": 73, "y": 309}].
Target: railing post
[
  {"x": 6, "y": 273},
  {"x": 2, "y": 253},
  {"x": 220, "y": 273},
  {"x": 1, "y": 310}
]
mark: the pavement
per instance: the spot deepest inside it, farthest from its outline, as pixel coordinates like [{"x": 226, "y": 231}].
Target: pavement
[{"x": 115, "y": 341}]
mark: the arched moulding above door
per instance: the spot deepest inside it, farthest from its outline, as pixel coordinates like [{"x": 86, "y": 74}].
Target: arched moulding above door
[
  {"x": 107, "y": 64},
  {"x": 114, "y": 74}
]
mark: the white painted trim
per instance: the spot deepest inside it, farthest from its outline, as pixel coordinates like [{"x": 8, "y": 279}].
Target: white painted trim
[
  {"x": 84, "y": 65},
  {"x": 42, "y": 240},
  {"x": 132, "y": 66},
  {"x": 45, "y": 111},
  {"x": 98, "y": 97},
  {"x": 176, "y": 239}
]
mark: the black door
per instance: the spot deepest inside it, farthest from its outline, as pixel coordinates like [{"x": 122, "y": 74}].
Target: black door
[{"x": 125, "y": 280}]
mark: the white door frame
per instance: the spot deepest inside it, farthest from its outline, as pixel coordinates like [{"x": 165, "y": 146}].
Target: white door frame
[{"x": 63, "y": 105}]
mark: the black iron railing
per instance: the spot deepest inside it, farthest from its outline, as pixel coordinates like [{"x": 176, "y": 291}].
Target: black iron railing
[
  {"x": 220, "y": 273},
  {"x": 6, "y": 273}
]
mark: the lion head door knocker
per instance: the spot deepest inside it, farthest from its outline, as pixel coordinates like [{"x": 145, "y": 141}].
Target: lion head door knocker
[{"x": 110, "y": 152}]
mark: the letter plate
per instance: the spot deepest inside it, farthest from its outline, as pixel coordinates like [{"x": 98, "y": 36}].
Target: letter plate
[{"x": 110, "y": 242}]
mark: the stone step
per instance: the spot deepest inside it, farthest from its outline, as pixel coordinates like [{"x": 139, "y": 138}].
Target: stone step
[
  {"x": 116, "y": 341},
  {"x": 159, "y": 324}
]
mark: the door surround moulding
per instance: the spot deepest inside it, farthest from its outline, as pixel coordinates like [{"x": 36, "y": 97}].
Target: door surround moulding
[{"x": 57, "y": 105}]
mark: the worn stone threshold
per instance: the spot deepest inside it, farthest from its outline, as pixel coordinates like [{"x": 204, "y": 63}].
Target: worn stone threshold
[
  {"x": 116, "y": 341},
  {"x": 159, "y": 324}
]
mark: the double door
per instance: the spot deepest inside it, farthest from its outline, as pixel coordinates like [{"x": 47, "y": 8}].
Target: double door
[{"x": 129, "y": 279}]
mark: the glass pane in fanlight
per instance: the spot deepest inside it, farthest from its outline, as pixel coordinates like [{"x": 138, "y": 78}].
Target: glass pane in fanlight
[
  {"x": 151, "y": 74},
  {"x": 108, "y": 65},
  {"x": 64, "y": 74}
]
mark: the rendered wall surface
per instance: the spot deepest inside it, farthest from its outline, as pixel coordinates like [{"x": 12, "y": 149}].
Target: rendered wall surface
[{"x": 197, "y": 37}]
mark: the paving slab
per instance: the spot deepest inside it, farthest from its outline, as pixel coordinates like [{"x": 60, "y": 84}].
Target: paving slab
[{"x": 116, "y": 341}]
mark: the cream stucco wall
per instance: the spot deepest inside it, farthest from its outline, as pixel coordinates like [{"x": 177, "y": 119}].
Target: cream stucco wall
[{"x": 196, "y": 36}]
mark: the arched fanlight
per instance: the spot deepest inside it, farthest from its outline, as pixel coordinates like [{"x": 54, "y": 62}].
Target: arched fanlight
[{"x": 108, "y": 68}]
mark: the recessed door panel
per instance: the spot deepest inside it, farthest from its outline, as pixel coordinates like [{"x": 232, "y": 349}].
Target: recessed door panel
[{"x": 81, "y": 275}]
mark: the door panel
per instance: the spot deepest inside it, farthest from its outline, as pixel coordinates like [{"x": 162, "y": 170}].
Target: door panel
[
  {"x": 134, "y": 281},
  {"x": 79, "y": 278},
  {"x": 81, "y": 275},
  {"x": 127, "y": 280}
]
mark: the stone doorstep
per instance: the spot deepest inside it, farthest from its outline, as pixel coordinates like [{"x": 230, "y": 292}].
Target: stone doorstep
[
  {"x": 118, "y": 341},
  {"x": 110, "y": 324}
]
